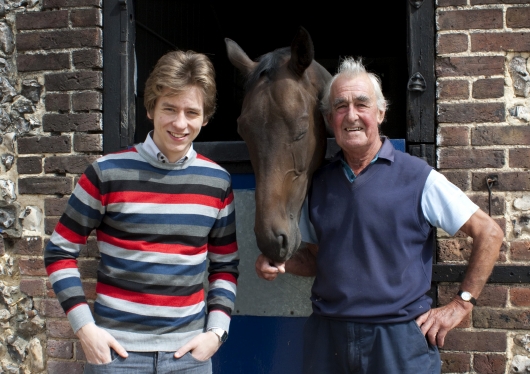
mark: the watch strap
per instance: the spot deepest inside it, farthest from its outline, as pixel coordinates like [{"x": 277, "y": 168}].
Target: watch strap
[{"x": 467, "y": 297}]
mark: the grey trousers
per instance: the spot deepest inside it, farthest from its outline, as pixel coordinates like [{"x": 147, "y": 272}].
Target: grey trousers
[{"x": 151, "y": 363}]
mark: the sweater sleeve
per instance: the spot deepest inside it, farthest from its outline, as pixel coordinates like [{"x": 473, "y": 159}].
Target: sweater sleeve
[
  {"x": 83, "y": 213},
  {"x": 224, "y": 260}
]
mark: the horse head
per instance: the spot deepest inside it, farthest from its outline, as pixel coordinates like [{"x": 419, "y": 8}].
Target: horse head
[{"x": 285, "y": 134}]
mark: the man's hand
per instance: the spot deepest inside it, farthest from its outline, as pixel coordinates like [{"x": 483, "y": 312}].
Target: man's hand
[
  {"x": 201, "y": 347},
  {"x": 96, "y": 344},
  {"x": 266, "y": 269},
  {"x": 436, "y": 323}
]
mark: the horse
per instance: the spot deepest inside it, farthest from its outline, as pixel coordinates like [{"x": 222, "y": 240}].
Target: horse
[{"x": 285, "y": 134}]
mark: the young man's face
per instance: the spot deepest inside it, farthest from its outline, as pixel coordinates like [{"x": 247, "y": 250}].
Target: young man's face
[{"x": 177, "y": 120}]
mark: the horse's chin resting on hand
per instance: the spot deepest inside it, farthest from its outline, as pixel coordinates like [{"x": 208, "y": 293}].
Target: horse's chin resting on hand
[{"x": 267, "y": 269}]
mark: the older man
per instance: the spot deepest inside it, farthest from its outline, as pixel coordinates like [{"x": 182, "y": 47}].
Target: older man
[{"x": 369, "y": 220}]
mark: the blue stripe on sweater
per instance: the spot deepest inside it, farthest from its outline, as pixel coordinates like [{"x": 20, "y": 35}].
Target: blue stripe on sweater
[
  {"x": 84, "y": 209},
  {"x": 152, "y": 268},
  {"x": 65, "y": 283},
  {"x": 163, "y": 219},
  {"x": 141, "y": 165},
  {"x": 221, "y": 292},
  {"x": 119, "y": 315},
  {"x": 225, "y": 221}
]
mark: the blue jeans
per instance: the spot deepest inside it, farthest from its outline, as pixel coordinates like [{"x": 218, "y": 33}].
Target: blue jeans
[
  {"x": 151, "y": 363},
  {"x": 340, "y": 347}
]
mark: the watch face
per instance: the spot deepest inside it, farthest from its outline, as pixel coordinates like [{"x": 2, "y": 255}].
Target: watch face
[
  {"x": 465, "y": 296},
  {"x": 224, "y": 337}
]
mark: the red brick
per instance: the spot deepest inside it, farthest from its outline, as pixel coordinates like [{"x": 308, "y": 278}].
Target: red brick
[
  {"x": 520, "y": 251},
  {"x": 453, "y": 136},
  {"x": 79, "y": 353},
  {"x": 53, "y": 309},
  {"x": 455, "y": 362},
  {"x": 507, "y": 181},
  {"x": 489, "y": 364},
  {"x": 460, "y": 158},
  {"x": 442, "y": 3},
  {"x": 471, "y": 112},
  {"x": 49, "y": 224},
  {"x": 49, "y": 292},
  {"x": 59, "y": 329},
  {"x": 39, "y": 61},
  {"x": 500, "y": 42},
  {"x": 29, "y": 165},
  {"x": 520, "y": 158},
  {"x": 469, "y": 66},
  {"x": 25, "y": 246},
  {"x": 42, "y": 20},
  {"x": 71, "y": 81},
  {"x": 90, "y": 249},
  {"x": 90, "y": 290},
  {"x": 60, "y": 349},
  {"x": 520, "y": 296},
  {"x": 488, "y": 318},
  {"x": 458, "y": 178},
  {"x": 481, "y": 341},
  {"x": 451, "y": 43},
  {"x": 91, "y": 100},
  {"x": 501, "y": 135},
  {"x": 49, "y": 4},
  {"x": 88, "y": 268},
  {"x": 488, "y": 88},
  {"x": 55, "y": 206},
  {"x": 470, "y": 19},
  {"x": 71, "y": 122},
  {"x": 87, "y": 58},
  {"x": 57, "y": 102},
  {"x": 452, "y": 250},
  {"x": 45, "y": 185},
  {"x": 452, "y": 90},
  {"x": 85, "y": 17},
  {"x": 33, "y": 287},
  {"x": 493, "y": 296},
  {"x": 497, "y": 203},
  {"x": 44, "y": 144},
  {"x": 60, "y": 39},
  {"x": 517, "y": 17},
  {"x": 65, "y": 367},
  {"x": 88, "y": 142},
  {"x": 32, "y": 266},
  {"x": 68, "y": 164}
]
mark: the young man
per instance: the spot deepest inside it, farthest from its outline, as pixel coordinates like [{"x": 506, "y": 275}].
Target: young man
[{"x": 160, "y": 211}]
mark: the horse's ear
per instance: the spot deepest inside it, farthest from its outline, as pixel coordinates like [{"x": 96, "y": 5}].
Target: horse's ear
[
  {"x": 302, "y": 52},
  {"x": 239, "y": 58}
]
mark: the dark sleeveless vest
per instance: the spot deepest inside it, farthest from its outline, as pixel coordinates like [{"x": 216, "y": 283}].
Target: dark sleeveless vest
[{"x": 374, "y": 261}]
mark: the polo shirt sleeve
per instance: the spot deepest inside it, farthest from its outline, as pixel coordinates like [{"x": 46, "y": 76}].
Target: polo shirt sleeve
[
  {"x": 444, "y": 205},
  {"x": 307, "y": 230}
]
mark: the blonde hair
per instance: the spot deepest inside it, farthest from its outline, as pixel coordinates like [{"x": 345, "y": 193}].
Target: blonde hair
[{"x": 177, "y": 71}]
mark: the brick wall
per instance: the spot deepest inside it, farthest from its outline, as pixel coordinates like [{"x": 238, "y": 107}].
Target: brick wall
[
  {"x": 51, "y": 126},
  {"x": 483, "y": 105}
]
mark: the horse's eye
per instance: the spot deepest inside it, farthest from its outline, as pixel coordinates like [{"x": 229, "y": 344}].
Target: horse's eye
[{"x": 300, "y": 136}]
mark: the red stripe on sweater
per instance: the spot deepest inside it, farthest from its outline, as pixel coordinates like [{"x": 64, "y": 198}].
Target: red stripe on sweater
[
  {"x": 160, "y": 198},
  {"x": 87, "y": 185},
  {"x": 61, "y": 265},
  {"x": 75, "y": 306},
  {"x": 177, "y": 249},
  {"x": 223, "y": 249},
  {"x": 69, "y": 235},
  {"x": 150, "y": 299},
  {"x": 222, "y": 276}
]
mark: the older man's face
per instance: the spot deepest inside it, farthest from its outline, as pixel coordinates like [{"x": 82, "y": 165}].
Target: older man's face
[{"x": 354, "y": 115}]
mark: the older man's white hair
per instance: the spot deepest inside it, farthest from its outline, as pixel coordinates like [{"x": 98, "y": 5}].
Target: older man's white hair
[{"x": 351, "y": 67}]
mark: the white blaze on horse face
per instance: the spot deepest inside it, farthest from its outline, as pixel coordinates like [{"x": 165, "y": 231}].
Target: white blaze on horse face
[
  {"x": 354, "y": 116},
  {"x": 177, "y": 120}
]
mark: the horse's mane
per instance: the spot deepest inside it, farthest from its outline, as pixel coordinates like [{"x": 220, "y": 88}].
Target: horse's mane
[{"x": 267, "y": 64}]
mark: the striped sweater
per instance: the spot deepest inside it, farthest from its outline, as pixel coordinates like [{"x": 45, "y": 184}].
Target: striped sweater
[{"x": 157, "y": 226}]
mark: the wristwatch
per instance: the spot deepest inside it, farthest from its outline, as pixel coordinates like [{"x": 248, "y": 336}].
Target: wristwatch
[
  {"x": 466, "y": 296},
  {"x": 221, "y": 334}
]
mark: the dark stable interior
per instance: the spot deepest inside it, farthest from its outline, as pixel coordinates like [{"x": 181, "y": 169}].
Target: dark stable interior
[{"x": 373, "y": 30}]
